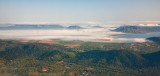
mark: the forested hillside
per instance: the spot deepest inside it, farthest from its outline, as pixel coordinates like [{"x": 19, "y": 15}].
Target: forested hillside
[{"x": 43, "y": 59}]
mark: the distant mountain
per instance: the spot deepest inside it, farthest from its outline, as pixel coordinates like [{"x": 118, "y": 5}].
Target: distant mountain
[
  {"x": 97, "y": 27},
  {"x": 138, "y": 29},
  {"x": 52, "y": 27},
  {"x": 28, "y": 26},
  {"x": 74, "y": 27},
  {"x": 154, "y": 39}
]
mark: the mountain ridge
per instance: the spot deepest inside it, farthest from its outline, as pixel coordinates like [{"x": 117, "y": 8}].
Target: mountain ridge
[{"x": 138, "y": 29}]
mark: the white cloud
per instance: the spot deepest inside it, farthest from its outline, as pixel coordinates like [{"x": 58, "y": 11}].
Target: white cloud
[{"x": 149, "y": 25}]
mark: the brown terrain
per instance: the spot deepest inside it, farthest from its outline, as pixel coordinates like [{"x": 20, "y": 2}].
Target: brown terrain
[
  {"x": 28, "y": 41},
  {"x": 48, "y": 42},
  {"x": 72, "y": 46},
  {"x": 41, "y": 41}
]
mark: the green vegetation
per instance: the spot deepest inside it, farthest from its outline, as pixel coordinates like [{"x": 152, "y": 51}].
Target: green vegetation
[{"x": 89, "y": 59}]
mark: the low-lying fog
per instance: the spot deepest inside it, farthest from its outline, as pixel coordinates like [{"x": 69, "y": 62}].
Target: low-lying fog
[{"x": 89, "y": 34}]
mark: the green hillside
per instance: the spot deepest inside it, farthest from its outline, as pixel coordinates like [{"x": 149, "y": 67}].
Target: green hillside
[
  {"x": 108, "y": 58},
  {"x": 39, "y": 59}
]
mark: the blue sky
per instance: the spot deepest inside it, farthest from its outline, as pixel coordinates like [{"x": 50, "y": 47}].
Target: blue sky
[{"x": 79, "y": 11}]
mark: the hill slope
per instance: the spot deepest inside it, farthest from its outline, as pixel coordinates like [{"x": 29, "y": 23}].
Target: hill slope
[
  {"x": 27, "y": 27},
  {"x": 154, "y": 39},
  {"x": 107, "y": 58},
  {"x": 138, "y": 29},
  {"x": 25, "y": 58}
]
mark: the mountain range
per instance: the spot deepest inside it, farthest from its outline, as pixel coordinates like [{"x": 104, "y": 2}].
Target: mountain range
[
  {"x": 138, "y": 29},
  {"x": 29, "y": 26}
]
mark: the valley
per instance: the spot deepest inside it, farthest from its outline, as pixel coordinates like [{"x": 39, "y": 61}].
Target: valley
[{"x": 70, "y": 58}]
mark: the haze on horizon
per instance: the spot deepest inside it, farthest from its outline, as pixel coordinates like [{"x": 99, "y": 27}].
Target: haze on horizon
[{"x": 79, "y": 11}]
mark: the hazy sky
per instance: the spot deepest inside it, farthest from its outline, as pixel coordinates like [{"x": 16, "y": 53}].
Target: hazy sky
[{"x": 80, "y": 11}]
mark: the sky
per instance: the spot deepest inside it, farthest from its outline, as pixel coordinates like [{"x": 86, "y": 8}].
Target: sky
[{"x": 79, "y": 11}]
